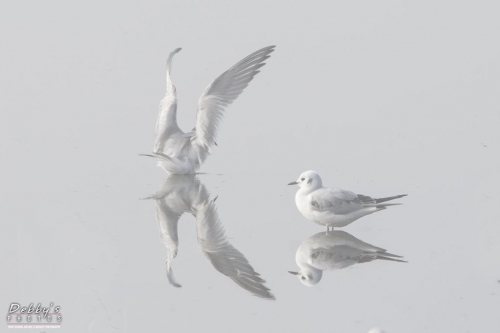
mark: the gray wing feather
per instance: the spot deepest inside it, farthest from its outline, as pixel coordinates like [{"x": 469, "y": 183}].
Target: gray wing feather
[
  {"x": 167, "y": 105},
  {"x": 335, "y": 200},
  {"x": 167, "y": 223},
  {"x": 335, "y": 257},
  {"x": 341, "y": 201},
  {"x": 342, "y": 256},
  {"x": 222, "y": 92},
  {"x": 223, "y": 256}
]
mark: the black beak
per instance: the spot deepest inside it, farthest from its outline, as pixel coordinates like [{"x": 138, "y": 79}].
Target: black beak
[
  {"x": 294, "y": 273},
  {"x": 293, "y": 183}
]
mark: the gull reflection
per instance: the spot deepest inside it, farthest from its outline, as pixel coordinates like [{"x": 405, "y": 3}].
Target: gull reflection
[
  {"x": 186, "y": 194},
  {"x": 334, "y": 250}
]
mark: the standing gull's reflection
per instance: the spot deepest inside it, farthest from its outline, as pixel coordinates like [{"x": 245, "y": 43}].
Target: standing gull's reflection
[
  {"x": 334, "y": 250},
  {"x": 186, "y": 194}
]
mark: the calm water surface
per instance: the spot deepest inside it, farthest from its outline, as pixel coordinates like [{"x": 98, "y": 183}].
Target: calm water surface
[{"x": 380, "y": 99}]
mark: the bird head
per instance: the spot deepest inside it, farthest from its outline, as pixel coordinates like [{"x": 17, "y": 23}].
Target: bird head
[
  {"x": 308, "y": 277},
  {"x": 308, "y": 179}
]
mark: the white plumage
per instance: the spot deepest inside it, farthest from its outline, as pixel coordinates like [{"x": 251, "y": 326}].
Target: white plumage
[
  {"x": 186, "y": 194},
  {"x": 332, "y": 251},
  {"x": 334, "y": 207},
  {"x": 183, "y": 152}
]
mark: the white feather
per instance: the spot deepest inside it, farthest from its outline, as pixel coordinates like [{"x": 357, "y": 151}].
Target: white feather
[{"x": 189, "y": 150}]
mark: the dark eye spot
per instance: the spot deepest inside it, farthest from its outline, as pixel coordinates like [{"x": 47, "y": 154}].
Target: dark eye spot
[
  {"x": 303, "y": 278},
  {"x": 301, "y": 178}
]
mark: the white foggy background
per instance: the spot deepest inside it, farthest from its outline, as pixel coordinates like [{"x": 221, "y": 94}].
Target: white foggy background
[{"x": 381, "y": 98}]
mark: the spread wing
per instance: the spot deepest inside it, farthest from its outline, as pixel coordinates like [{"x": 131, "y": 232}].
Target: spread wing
[
  {"x": 338, "y": 201},
  {"x": 168, "y": 105},
  {"x": 223, "y": 256},
  {"x": 222, "y": 92},
  {"x": 178, "y": 194},
  {"x": 167, "y": 223}
]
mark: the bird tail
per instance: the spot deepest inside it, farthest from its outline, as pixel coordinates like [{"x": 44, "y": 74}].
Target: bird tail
[
  {"x": 168, "y": 163},
  {"x": 389, "y": 199},
  {"x": 162, "y": 157},
  {"x": 370, "y": 256},
  {"x": 383, "y": 206},
  {"x": 385, "y": 257},
  {"x": 387, "y": 254}
]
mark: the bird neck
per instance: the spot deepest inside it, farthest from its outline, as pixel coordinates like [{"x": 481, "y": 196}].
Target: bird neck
[
  {"x": 306, "y": 267},
  {"x": 307, "y": 190}
]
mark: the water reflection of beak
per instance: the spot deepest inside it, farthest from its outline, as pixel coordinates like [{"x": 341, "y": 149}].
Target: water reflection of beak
[{"x": 294, "y": 273}]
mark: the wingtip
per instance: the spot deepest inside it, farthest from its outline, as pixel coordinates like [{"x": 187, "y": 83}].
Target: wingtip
[
  {"x": 264, "y": 52},
  {"x": 170, "y": 57},
  {"x": 270, "y": 49},
  {"x": 271, "y": 297},
  {"x": 266, "y": 295}
]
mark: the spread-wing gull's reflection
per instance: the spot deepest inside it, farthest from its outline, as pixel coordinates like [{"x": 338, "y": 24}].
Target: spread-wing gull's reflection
[
  {"x": 224, "y": 257},
  {"x": 334, "y": 250},
  {"x": 186, "y": 194}
]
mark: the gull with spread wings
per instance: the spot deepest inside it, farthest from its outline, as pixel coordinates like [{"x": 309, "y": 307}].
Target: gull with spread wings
[{"x": 181, "y": 152}]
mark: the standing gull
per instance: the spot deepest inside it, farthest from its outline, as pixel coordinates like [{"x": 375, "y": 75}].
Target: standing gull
[
  {"x": 183, "y": 153},
  {"x": 334, "y": 207}
]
